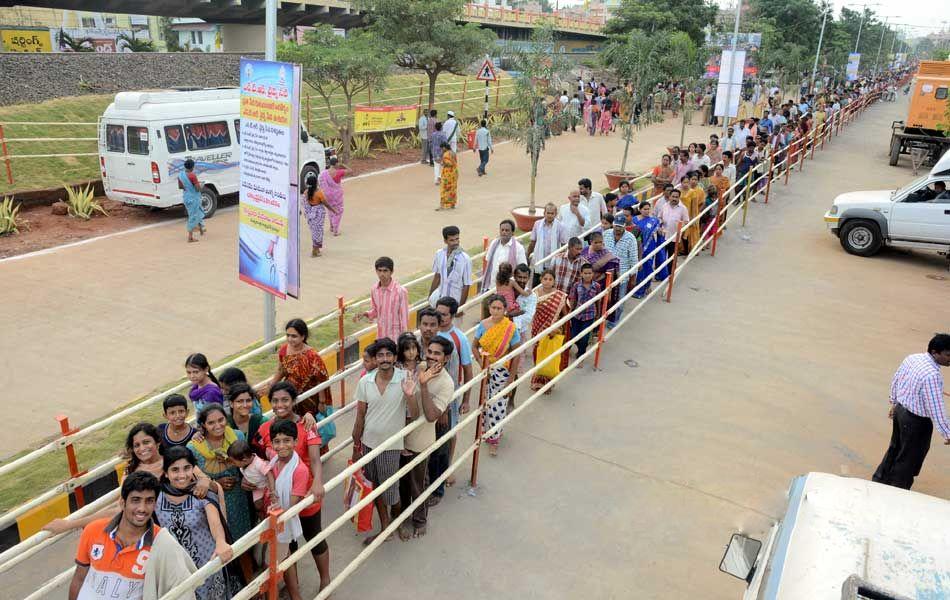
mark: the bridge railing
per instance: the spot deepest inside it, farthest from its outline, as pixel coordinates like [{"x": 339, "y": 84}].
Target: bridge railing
[{"x": 498, "y": 14}]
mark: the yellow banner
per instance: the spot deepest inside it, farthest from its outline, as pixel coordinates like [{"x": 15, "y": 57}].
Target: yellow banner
[
  {"x": 384, "y": 118},
  {"x": 26, "y": 40}
]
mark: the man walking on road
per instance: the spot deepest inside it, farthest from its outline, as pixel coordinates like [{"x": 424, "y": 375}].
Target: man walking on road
[
  {"x": 451, "y": 130},
  {"x": 484, "y": 145},
  {"x": 916, "y": 406},
  {"x": 423, "y": 127}
]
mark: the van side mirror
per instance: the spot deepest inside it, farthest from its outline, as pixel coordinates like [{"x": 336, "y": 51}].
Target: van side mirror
[{"x": 740, "y": 555}]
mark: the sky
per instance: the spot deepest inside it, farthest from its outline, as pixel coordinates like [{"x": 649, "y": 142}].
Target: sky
[{"x": 922, "y": 16}]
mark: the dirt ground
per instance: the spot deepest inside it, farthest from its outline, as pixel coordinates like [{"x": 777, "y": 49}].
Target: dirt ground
[
  {"x": 41, "y": 229},
  {"x": 773, "y": 359}
]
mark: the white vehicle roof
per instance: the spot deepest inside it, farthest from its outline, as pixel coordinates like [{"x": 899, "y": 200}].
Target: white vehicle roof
[
  {"x": 942, "y": 167},
  {"x": 173, "y": 104},
  {"x": 840, "y": 526}
]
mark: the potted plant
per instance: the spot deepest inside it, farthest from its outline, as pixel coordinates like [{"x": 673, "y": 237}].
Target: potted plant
[{"x": 534, "y": 118}]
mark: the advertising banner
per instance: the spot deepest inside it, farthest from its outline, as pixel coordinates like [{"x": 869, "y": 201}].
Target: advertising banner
[
  {"x": 267, "y": 212},
  {"x": 720, "y": 43},
  {"x": 737, "y": 67},
  {"x": 384, "y": 118},
  {"x": 854, "y": 59},
  {"x": 26, "y": 40}
]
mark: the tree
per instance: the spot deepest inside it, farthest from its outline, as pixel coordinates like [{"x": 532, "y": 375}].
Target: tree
[
  {"x": 425, "y": 35},
  {"x": 539, "y": 73},
  {"x": 73, "y": 45},
  {"x": 334, "y": 66},
  {"x": 169, "y": 35},
  {"x": 134, "y": 44},
  {"x": 683, "y": 61},
  {"x": 634, "y": 58},
  {"x": 652, "y": 16}
]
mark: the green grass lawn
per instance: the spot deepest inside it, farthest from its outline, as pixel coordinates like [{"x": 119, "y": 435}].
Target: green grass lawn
[
  {"x": 42, "y": 474},
  {"x": 40, "y": 173}
]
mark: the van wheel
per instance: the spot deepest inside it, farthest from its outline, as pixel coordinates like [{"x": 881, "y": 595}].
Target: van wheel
[
  {"x": 861, "y": 238},
  {"x": 306, "y": 172},
  {"x": 895, "y": 150},
  {"x": 209, "y": 201}
]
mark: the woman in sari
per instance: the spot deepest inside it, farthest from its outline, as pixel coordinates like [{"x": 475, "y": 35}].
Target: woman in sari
[
  {"x": 604, "y": 261},
  {"x": 211, "y": 455},
  {"x": 449, "y": 187},
  {"x": 331, "y": 184},
  {"x": 662, "y": 174},
  {"x": 693, "y": 198},
  {"x": 651, "y": 237},
  {"x": 722, "y": 190},
  {"x": 315, "y": 209},
  {"x": 302, "y": 366},
  {"x": 551, "y": 306},
  {"x": 495, "y": 337},
  {"x": 191, "y": 197}
]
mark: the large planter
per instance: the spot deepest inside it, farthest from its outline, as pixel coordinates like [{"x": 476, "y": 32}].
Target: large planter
[
  {"x": 524, "y": 219},
  {"x": 615, "y": 177}
]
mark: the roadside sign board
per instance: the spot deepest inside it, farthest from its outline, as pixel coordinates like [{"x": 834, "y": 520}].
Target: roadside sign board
[{"x": 487, "y": 71}]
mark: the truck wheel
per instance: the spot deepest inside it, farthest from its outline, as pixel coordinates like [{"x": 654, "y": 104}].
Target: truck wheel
[
  {"x": 861, "y": 238},
  {"x": 209, "y": 201},
  {"x": 895, "y": 150},
  {"x": 306, "y": 172}
]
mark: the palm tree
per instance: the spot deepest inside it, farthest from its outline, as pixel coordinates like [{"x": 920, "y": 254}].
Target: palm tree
[
  {"x": 134, "y": 44},
  {"x": 73, "y": 45}
]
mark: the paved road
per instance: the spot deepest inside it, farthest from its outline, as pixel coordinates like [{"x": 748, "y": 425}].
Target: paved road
[
  {"x": 137, "y": 305},
  {"x": 773, "y": 359}
]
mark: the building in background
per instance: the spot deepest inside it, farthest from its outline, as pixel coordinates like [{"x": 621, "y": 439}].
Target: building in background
[
  {"x": 30, "y": 29},
  {"x": 195, "y": 35}
]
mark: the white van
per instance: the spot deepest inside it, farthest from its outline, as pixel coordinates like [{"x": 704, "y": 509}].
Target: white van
[
  {"x": 145, "y": 137},
  {"x": 844, "y": 538}
]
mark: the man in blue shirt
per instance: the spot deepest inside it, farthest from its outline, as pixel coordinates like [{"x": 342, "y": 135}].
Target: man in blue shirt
[{"x": 484, "y": 144}]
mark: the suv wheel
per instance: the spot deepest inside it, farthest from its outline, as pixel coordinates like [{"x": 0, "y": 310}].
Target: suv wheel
[
  {"x": 862, "y": 238},
  {"x": 209, "y": 201}
]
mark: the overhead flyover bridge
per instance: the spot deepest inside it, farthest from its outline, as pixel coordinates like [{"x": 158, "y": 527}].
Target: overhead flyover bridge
[{"x": 510, "y": 24}]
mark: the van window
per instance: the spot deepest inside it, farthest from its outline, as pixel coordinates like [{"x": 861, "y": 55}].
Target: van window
[
  {"x": 237, "y": 129},
  {"x": 115, "y": 138},
  {"x": 174, "y": 139},
  {"x": 204, "y": 136},
  {"x": 138, "y": 140},
  {"x": 941, "y": 93}
]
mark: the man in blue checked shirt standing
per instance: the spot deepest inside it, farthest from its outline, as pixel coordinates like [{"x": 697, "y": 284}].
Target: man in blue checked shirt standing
[
  {"x": 484, "y": 146},
  {"x": 916, "y": 407}
]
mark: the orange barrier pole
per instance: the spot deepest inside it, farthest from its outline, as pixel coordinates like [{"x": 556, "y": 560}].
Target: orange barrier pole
[
  {"x": 676, "y": 253},
  {"x": 715, "y": 229},
  {"x": 482, "y": 399},
  {"x": 497, "y": 92},
  {"x": 768, "y": 178},
  {"x": 462, "y": 105},
  {"x": 369, "y": 96},
  {"x": 71, "y": 459},
  {"x": 341, "y": 359},
  {"x": 270, "y": 538},
  {"x": 603, "y": 324},
  {"x": 824, "y": 135},
  {"x": 6, "y": 156},
  {"x": 814, "y": 142},
  {"x": 789, "y": 161},
  {"x": 802, "y": 152}
]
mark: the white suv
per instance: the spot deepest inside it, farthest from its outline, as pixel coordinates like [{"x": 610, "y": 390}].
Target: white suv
[{"x": 914, "y": 216}]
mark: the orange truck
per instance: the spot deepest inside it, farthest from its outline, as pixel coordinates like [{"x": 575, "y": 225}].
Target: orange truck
[{"x": 928, "y": 105}]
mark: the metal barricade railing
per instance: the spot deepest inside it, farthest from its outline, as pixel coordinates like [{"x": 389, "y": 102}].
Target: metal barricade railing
[{"x": 708, "y": 236}]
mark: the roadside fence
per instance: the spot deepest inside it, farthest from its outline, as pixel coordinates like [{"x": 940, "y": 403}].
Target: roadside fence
[{"x": 748, "y": 188}]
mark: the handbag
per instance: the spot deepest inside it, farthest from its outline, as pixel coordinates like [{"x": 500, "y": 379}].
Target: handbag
[
  {"x": 317, "y": 198},
  {"x": 356, "y": 488},
  {"x": 547, "y": 346}
]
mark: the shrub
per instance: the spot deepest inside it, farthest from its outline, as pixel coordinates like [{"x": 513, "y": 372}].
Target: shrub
[
  {"x": 414, "y": 140},
  {"x": 361, "y": 146},
  {"x": 9, "y": 217},
  {"x": 82, "y": 203},
  {"x": 392, "y": 142}
]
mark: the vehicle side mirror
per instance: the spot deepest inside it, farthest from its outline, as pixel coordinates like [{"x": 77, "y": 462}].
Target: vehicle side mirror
[{"x": 740, "y": 555}]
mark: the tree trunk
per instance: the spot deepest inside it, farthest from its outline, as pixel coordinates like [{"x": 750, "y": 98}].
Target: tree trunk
[
  {"x": 433, "y": 76},
  {"x": 346, "y": 132}
]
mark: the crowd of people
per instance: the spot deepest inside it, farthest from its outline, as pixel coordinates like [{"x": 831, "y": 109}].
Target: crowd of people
[{"x": 209, "y": 484}]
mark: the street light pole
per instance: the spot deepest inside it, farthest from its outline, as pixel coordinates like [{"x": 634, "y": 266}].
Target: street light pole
[
  {"x": 821, "y": 38},
  {"x": 877, "y": 61},
  {"x": 732, "y": 62},
  {"x": 864, "y": 10},
  {"x": 270, "y": 53}
]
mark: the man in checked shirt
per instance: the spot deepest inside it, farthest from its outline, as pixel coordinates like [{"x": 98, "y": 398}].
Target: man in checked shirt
[{"x": 916, "y": 407}]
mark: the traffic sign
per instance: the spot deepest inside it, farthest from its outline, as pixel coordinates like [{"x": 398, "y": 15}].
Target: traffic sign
[{"x": 487, "y": 71}]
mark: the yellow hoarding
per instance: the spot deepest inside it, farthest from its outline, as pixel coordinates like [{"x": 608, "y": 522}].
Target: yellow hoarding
[
  {"x": 26, "y": 40},
  {"x": 384, "y": 118}
]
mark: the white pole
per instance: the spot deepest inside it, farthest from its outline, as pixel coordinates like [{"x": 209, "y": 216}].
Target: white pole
[
  {"x": 821, "y": 37},
  {"x": 270, "y": 53},
  {"x": 732, "y": 60},
  {"x": 864, "y": 10},
  {"x": 877, "y": 61}
]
